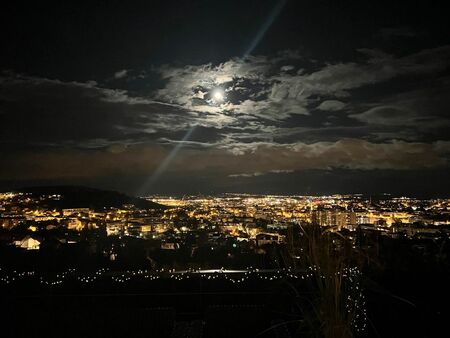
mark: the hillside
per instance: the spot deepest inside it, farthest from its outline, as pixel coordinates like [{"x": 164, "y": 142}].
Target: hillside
[{"x": 83, "y": 197}]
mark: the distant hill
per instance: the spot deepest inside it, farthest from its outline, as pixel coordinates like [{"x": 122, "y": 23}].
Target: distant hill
[{"x": 84, "y": 197}]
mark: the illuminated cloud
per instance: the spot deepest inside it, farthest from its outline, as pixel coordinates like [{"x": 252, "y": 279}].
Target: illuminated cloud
[
  {"x": 121, "y": 74},
  {"x": 278, "y": 114},
  {"x": 331, "y": 105}
]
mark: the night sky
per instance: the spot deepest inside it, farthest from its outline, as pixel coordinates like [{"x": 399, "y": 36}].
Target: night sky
[{"x": 307, "y": 97}]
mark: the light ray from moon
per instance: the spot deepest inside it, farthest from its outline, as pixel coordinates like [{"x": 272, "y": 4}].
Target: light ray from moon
[
  {"x": 165, "y": 163},
  {"x": 262, "y": 31},
  {"x": 217, "y": 96}
]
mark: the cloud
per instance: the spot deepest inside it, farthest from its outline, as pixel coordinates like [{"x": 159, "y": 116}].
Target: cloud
[
  {"x": 52, "y": 112},
  {"x": 261, "y": 159},
  {"x": 345, "y": 153},
  {"x": 256, "y": 174},
  {"x": 387, "y": 115},
  {"x": 247, "y": 83},
  {"x": 280, "y": 116},
  {"x": 81, "y": 163},
  {"x": 121, "y": 74},
  {"x": 396, "y": 32},
  {"x": 411, "y": 114},
  {"x": 278, "y": 88},
  {"x": 281, "y": 171},
  {"x": 338, "y": 79},
  {"x": 331, "y": 105}
]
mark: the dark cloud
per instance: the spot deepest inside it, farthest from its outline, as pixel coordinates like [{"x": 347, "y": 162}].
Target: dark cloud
[
  {"x": 328, "y": 88},
  {"x": 51, "y": 112},
  {"x": 397, "y": 32},
  {"x": 261, "y": 158}
]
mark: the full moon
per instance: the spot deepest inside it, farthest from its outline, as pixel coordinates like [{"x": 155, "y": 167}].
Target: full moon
[{"x": 218, "y": 95}]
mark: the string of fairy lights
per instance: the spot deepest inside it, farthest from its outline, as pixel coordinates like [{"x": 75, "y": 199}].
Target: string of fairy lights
[{"x": 351, "y": 276}]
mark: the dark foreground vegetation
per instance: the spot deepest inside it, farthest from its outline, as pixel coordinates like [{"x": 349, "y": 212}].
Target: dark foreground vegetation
[{"x": 317, "y": 284}]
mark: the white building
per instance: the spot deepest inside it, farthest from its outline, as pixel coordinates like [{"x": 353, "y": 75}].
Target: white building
[{"x": 28, "y": 243}]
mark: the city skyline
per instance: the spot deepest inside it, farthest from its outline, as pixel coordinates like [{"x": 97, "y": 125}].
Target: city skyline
[{"x": 268, "y": 97}]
